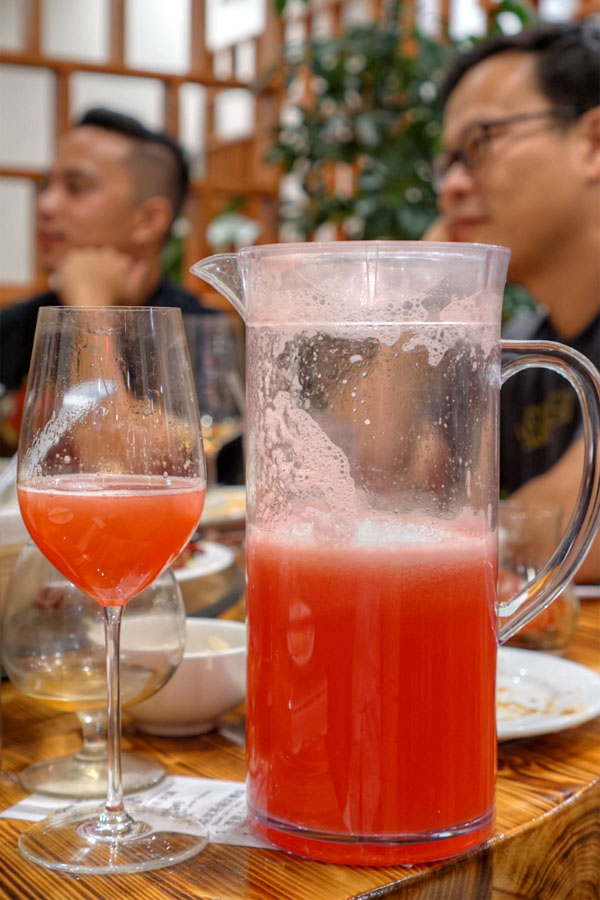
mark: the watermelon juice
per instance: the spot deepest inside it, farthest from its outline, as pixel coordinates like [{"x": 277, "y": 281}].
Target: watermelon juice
[
  {"x": 111, "y": 535},
  {"x": 371, "y": 697}
]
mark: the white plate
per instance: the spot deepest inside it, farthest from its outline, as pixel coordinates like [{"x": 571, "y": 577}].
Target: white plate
[
  {"x": 538, "y": 693},
  {"x": 212, "y": 558},
  {"x": 225, "y": 503}
]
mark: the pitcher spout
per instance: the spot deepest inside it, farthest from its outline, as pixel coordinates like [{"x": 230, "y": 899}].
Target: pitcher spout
[{"x": 223, "y": 273}]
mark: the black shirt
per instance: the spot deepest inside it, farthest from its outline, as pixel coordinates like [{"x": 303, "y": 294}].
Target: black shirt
[
  {"x": 17, "y": 326},
  {"x": 539, "y": 410}
]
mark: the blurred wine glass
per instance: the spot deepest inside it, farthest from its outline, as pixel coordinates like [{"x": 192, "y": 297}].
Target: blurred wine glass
[
  {"x": 53, "y": 651},
  {"x": 216, "y": 353},
  {"x": 527, "y": 534}
]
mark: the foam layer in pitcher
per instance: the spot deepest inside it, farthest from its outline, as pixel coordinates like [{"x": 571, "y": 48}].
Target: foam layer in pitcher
[
  {"x": 434, "y": 337},
  {"x": 311, "y": 436}
]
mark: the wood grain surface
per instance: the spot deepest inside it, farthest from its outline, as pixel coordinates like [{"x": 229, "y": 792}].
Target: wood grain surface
[{"x": 546, "y": 842}]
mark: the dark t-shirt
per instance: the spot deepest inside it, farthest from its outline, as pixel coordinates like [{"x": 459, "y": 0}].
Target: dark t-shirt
[
  {"x": 539, "y": 410},
  {"x": 17, "y": 326}
]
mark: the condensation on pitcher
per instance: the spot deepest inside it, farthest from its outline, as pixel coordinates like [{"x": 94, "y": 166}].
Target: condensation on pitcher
[{"x": 317, "y": 466}]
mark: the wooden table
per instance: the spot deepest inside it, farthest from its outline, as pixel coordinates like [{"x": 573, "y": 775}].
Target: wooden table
[{"x": 546, "y": 843}]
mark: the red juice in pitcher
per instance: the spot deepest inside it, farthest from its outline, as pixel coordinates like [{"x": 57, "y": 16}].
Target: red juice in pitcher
[{"x": 371, "y": 694}]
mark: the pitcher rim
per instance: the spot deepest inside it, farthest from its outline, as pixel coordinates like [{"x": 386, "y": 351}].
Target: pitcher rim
[{"x": 312, "y": 247}]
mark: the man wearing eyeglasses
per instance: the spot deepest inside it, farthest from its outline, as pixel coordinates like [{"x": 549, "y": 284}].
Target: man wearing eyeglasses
[{"x": 521, "y": 167}]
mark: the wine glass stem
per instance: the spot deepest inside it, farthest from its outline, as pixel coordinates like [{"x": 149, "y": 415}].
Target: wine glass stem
[
  {"x": 93, "y": 728},
  {"x": 114, "y": 809}
]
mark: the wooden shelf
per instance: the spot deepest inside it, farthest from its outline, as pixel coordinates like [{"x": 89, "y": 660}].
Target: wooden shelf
[{"x": 69, "y": 66}]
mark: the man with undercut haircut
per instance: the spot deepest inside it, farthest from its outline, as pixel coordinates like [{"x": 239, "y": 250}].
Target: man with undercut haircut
[
  {"x": 521, "y": 168},
  {"x": 103, "y": 215}
]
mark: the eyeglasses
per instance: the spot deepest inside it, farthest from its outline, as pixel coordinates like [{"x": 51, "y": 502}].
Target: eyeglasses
[{"x": 479, "y": 136}]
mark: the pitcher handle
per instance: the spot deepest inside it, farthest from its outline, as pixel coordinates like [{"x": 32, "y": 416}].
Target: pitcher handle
[{"x": 583, "y": 376}]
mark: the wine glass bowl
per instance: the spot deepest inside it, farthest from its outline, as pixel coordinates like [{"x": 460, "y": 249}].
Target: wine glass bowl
[
  {"x": 52, "y": 644},
  {"x": 111, "y": 484},
  {"x": 216, "y": 354}
]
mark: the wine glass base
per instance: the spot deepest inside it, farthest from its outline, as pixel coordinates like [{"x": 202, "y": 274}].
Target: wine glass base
[
  {"x": 66, "y": 841},
  {"x": 67, "y": 776}
]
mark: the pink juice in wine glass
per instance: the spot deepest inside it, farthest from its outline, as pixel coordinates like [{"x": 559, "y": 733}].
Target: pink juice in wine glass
[
  {"x": 111, "y": 535},
  {"x": 371, "y": 696}
]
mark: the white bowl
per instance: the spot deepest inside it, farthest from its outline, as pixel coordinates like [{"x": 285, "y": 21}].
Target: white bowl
[{"x": 209, "y": 681}]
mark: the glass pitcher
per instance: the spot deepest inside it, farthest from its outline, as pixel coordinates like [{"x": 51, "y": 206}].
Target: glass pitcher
[{"x": 373, "y": 382}]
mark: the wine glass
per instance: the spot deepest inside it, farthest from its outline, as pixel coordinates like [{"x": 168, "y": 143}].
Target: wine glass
[
  {"x": 111, "y": 484},
  {"x": 527, "y": 534},
  {"x": 52, "y": 644},
  {"x": 216, "y": 355}
]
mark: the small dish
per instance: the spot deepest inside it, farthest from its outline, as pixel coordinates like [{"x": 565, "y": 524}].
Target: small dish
[
  {"x": 207, "y": 558},
  {"x": 209, "y": 681},
  {"x": 538, "y": 693}
]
